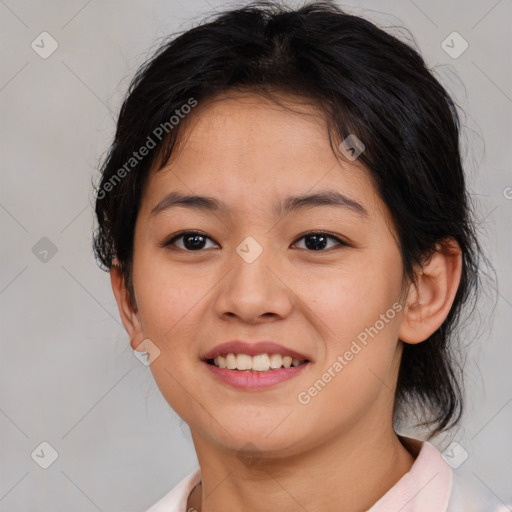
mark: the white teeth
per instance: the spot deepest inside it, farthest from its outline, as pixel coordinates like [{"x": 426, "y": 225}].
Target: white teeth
[
  {"x": 276, "y": 361},
  {"x": 230, "y": 361},
  {"x": 243, "y": 362},
  {"x": 258, "y": 363}
]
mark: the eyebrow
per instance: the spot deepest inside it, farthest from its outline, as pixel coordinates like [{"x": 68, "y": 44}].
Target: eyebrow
[{"x": 289, "y": 204}]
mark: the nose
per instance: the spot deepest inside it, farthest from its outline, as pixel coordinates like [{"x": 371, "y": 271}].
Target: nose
[{"x": 253, "y": 292}]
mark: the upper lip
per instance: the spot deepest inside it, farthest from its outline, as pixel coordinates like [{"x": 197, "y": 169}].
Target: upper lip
[{"x": 252, "y": 349}]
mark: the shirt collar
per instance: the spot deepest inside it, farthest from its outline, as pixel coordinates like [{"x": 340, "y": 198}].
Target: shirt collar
[{"x": 426, "y": 487}]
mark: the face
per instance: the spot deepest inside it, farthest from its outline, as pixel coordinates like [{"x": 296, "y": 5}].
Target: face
[{"x": 322, "y": 280}]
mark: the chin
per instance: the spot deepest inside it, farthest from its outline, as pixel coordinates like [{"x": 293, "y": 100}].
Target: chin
[{"x": 263, "y": 442}]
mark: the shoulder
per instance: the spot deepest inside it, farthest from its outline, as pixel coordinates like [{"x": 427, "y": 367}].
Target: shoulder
[
  {"x": 176, "y": 499},
  {"x": 453, "y": 489},
  {"x": 470, "y": 495}
]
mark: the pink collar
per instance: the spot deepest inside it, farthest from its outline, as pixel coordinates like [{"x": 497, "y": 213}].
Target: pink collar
[{"x": 425, "y": 488}]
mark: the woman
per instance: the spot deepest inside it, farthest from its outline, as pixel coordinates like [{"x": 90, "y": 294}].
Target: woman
[{"x": 285, "y": 218}]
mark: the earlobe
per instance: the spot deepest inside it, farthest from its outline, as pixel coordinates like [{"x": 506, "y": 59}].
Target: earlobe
[
  {"x": 129, "y": 317},
  {"x": 430, "y": 298}
]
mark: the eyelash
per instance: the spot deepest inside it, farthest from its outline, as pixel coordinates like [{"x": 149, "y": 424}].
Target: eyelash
[{"x": 182, "y": 234}]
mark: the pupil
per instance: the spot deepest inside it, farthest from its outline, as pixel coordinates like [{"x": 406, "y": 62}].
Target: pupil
[
  {"x": 319, "y": 244},
  {"x": 198, "y": 240}
]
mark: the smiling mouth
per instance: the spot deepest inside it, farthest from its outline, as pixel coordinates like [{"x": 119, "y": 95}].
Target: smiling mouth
[{"x": 258, "y": 363}]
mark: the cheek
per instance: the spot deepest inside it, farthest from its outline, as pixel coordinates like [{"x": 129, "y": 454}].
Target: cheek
[
  {"x": 352, "y": 297},
  {"x": 353, "y": 308},
  {"x": 170, "y": 303},
  {"x": 357, "y": 369},
  {"x": 167, "y": 297}
]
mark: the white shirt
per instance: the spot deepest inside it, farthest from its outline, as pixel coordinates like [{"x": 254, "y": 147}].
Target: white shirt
[{"x": 430, "y": 486}]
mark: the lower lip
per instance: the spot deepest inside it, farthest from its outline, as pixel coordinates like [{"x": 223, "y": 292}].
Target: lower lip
[{"x": 252, "y": 380}]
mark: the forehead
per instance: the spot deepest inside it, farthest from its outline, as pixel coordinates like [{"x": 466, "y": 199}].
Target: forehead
[
  {"x": 244, "y": 129},
  {"x": 251, "y": 152}
]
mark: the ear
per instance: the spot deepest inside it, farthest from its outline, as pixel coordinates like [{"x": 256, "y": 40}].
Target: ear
[
  {"x": 430, "y": 299},
  {"x": 129, "y": 316}
]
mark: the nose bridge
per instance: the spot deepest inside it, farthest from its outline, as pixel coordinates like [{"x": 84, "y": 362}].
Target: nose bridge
[{"x": 251, "y": 289}]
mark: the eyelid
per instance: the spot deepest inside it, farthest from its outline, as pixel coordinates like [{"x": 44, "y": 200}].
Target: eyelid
[
  {"x": 341, "y": 241},
  {"x": 170, "y": 240}
]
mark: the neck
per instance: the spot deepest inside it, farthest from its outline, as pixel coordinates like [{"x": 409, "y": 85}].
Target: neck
[{"x": 347, "y": 473}]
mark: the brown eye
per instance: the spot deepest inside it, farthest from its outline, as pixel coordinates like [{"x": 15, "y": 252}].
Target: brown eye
[
  {"x": 317, "y": 241},
  {"x": 191, "y": 241}
]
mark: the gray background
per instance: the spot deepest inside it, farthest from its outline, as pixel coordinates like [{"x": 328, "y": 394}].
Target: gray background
[{"x": 68, "y": 375}]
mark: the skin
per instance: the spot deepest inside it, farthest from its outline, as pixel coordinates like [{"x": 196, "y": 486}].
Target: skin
[{"x": 338, "y": 452}]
